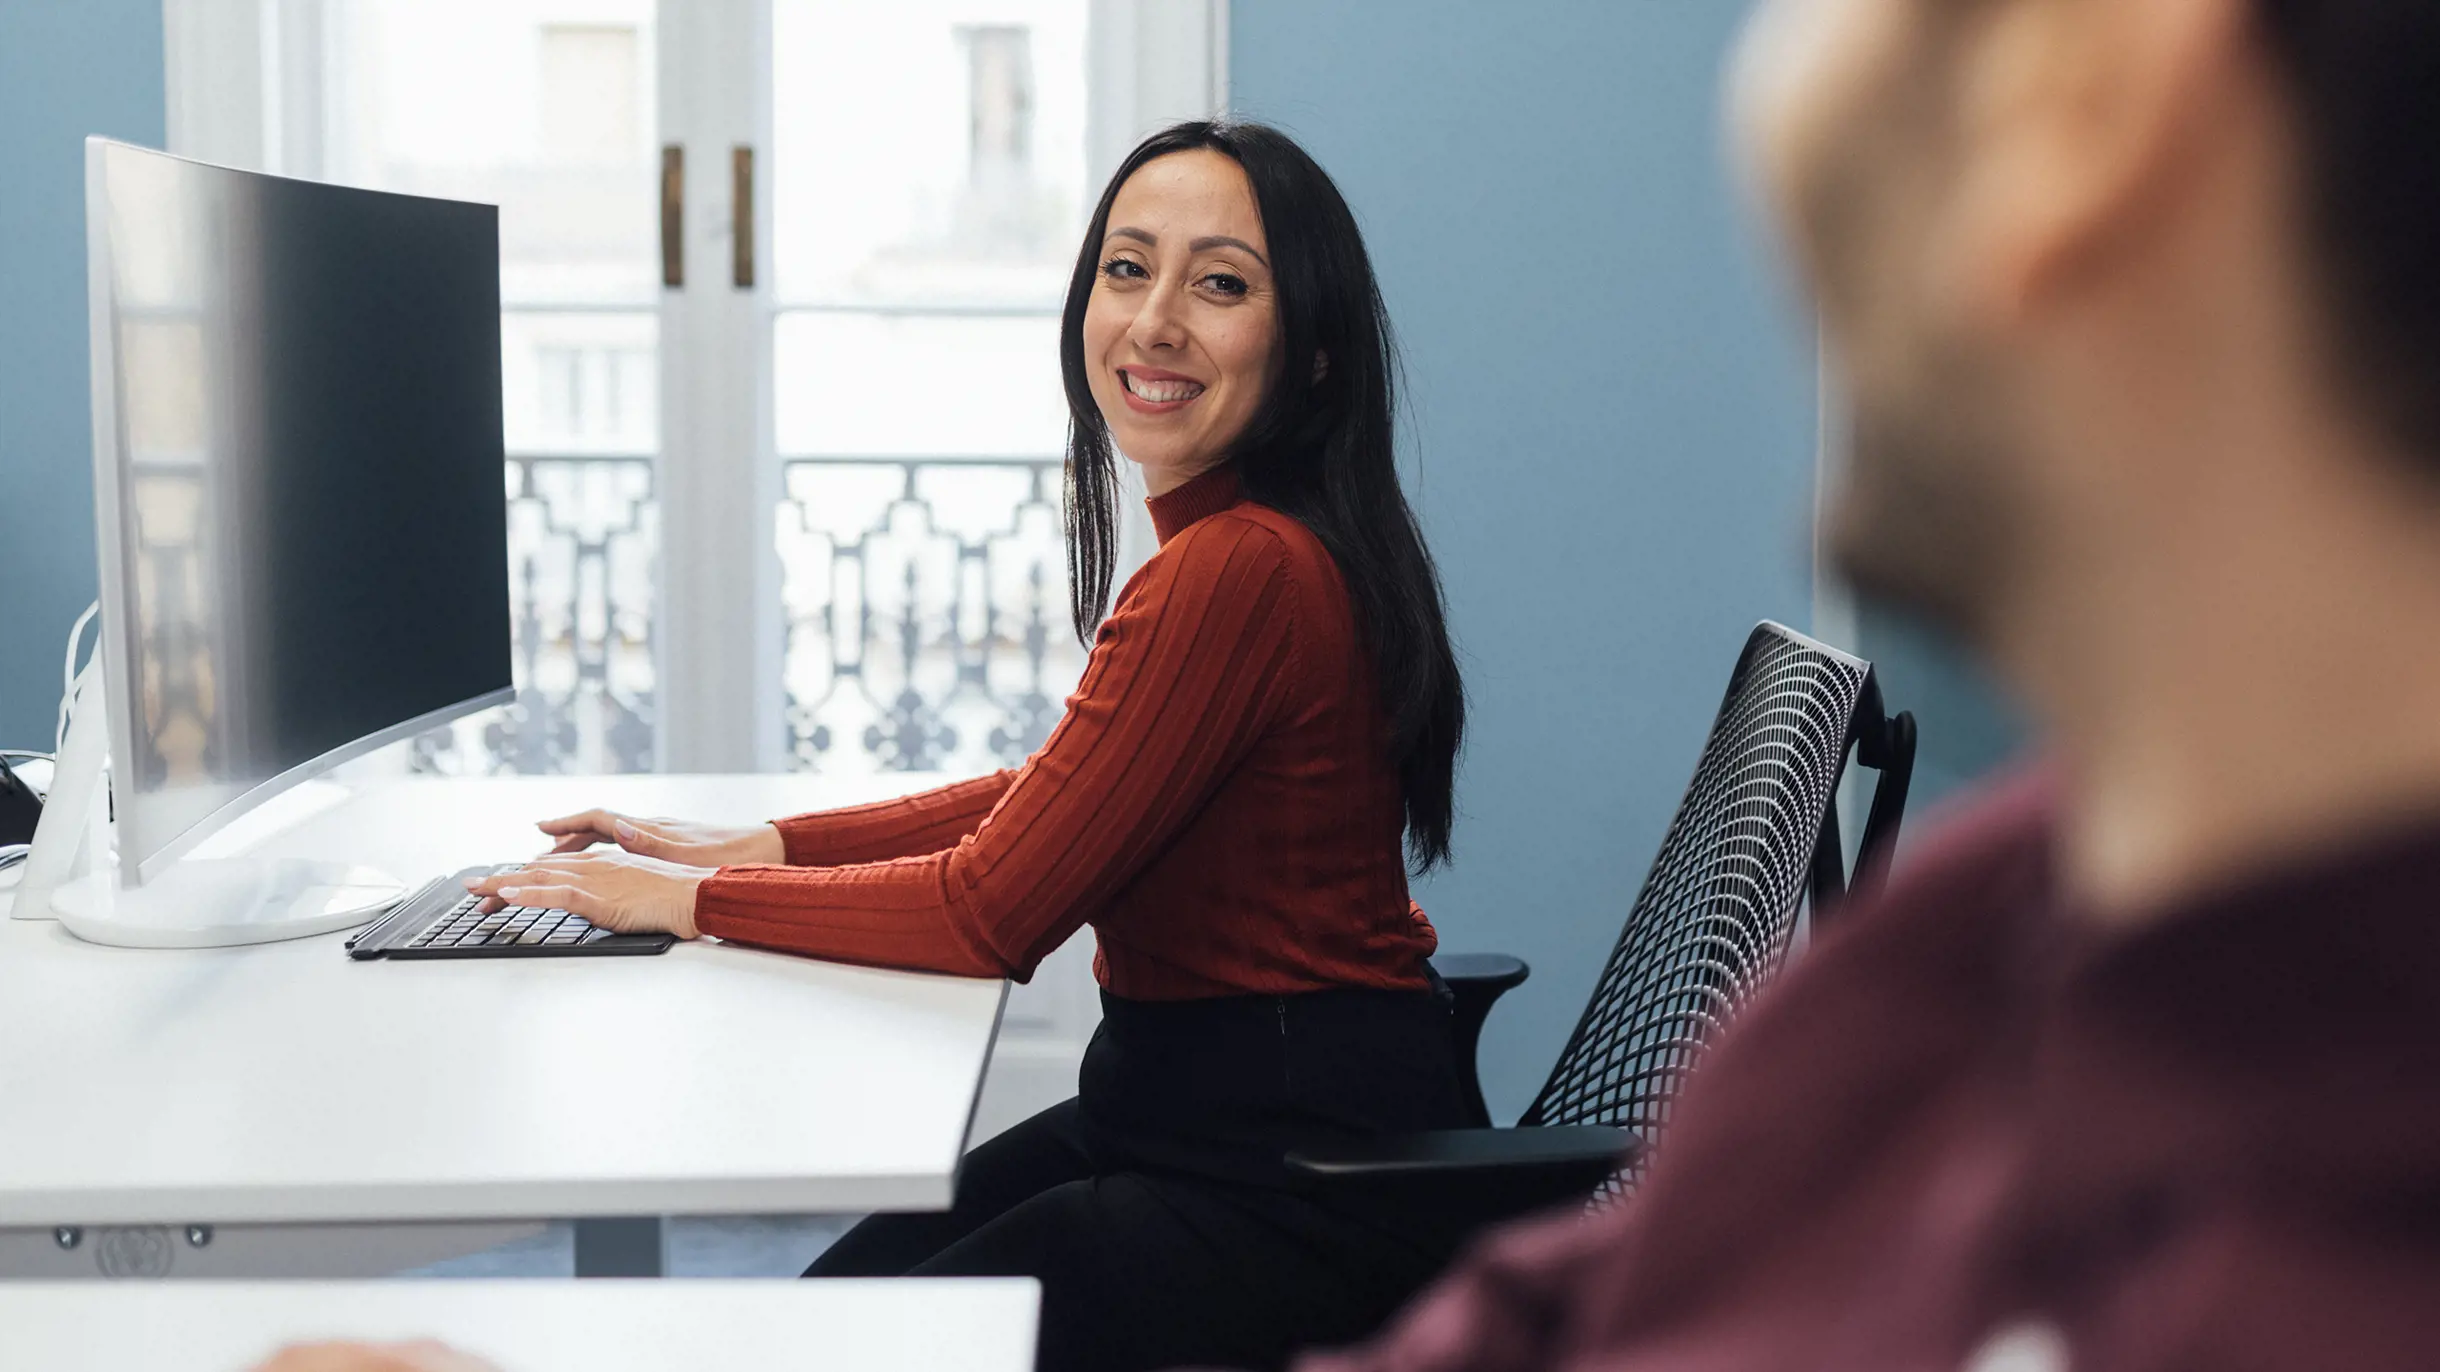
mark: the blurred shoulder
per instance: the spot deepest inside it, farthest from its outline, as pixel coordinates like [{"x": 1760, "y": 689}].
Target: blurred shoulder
[
  {"x": 1998, "y": 836},
  {"x": 1969, "y": 896}
]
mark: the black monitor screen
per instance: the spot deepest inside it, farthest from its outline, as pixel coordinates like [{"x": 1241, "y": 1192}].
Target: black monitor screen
[{"x": 298, "y": 454}]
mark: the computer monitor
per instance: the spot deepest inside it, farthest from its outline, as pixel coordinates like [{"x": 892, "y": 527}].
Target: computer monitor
[{"x": 298, "y": 478}]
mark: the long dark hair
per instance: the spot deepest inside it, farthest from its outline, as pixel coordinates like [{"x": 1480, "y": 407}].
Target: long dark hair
[{"x": 1321, "y": 454}]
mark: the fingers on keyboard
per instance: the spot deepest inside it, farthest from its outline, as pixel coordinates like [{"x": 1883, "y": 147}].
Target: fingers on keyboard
[{"x": 468, "y": 926}]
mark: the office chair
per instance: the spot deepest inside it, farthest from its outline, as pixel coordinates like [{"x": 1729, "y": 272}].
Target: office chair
[{"x": 1756, "y": 834}]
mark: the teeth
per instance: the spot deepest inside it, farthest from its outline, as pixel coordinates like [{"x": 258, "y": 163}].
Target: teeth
[{"x": 1161, "y": 392}]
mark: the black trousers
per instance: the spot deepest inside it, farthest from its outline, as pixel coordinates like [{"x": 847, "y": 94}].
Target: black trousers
[{"x": 1153, "y": 1207}]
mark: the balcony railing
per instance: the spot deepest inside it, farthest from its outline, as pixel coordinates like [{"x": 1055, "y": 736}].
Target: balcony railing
[
  {"x": 583, "y": 543},
  {"x": 926, "y": 601},
  {"x": 926, "y": 617}
]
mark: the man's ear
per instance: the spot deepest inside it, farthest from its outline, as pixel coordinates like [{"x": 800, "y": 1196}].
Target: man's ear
[
  {"x": 1321, "y": 366},
  {"x": 2079, "y": 117}
]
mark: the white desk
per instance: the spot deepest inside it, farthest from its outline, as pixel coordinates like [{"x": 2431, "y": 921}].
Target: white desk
[
  {"x": 876, "y": 1326},
  {"x": 284, "y": 1083}
]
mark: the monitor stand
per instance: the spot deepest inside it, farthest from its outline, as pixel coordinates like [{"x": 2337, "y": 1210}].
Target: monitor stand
[{"x": 194, "y": 903}]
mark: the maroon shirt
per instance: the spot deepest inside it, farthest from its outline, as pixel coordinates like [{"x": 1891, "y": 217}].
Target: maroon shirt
[{"x": 2209, "y": 1143}]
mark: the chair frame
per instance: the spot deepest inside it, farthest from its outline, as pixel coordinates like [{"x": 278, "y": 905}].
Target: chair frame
[{"x": 1500, "y": 1172}]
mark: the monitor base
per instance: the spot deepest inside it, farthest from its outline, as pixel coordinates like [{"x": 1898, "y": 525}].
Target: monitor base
[{"x": 223, "y": 902}]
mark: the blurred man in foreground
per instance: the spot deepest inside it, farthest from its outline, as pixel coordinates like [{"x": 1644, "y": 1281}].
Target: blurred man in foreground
[{"x": 2137, "y": 304}]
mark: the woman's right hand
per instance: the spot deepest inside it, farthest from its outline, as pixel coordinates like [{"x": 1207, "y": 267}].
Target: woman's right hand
[{"x": 673, "y": 840}]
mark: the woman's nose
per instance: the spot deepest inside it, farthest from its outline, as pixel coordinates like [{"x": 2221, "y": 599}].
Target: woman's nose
[{"x": 1157, "y": 324}]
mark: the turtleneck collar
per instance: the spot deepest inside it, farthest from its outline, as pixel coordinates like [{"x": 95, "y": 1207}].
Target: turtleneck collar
[{"x": 1208, "y": 494}]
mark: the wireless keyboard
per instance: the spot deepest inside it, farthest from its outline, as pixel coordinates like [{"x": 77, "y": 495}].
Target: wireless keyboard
[{"x": 442, "y": 921}]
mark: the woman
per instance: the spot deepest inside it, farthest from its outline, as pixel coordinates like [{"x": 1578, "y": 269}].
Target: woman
[{"x": 1271, "y": 705}]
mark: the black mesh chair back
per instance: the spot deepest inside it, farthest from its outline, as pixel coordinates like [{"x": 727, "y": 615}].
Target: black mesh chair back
[
  {"x": 1756, "y": 834},
  {"x": 1756, "y": 837}
]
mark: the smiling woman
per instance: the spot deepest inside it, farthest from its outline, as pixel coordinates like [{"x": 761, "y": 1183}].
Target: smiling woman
[
  {"x": 1321, "y": 450},
  {"x": 1265, "y": 733},
  {"x": 1182, "y": 328}
]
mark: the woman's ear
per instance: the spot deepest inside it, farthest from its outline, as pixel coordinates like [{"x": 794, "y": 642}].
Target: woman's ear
[{"x": 1321, "y": 366}]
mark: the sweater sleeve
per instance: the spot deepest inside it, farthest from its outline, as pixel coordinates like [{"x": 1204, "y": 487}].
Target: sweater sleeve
[
  {"x": 1184, "y": 679},
  {"x": 909, "y": 826}
]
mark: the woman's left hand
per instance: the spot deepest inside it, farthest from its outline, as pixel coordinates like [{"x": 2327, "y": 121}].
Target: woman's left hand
[{"x": 621, "y": 892}]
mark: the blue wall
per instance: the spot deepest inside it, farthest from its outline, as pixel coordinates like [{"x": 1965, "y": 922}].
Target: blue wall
[
  {"x": 1614, "y": 422},
  {"x": 1967, "y": 727},
  {"x": 67, "y": 68}
]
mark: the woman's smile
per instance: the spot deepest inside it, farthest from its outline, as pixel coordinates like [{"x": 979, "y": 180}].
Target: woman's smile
[{"x": 1149, "y": 390}]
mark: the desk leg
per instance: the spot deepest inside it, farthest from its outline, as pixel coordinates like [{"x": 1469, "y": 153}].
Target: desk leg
[{"x": 619, "y": 1248}]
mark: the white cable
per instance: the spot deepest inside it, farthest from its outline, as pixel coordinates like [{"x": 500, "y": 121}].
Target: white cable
[{"x": 67, "y": 675}]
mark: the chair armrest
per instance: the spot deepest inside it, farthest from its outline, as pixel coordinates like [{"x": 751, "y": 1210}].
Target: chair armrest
[
  {"x": 1475, "y": 980},
  {"x": 1467, "y": 1177},
  {"x": 1493, "y": 973},
  {"x": 1596, "y": 1149}
]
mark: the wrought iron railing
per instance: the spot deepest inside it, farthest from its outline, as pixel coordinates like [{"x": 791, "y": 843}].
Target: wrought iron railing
[
  {"x": 583, "y": 544},
  {"x": 926, "y": 617},
  {"x": 926, "y": 602}
]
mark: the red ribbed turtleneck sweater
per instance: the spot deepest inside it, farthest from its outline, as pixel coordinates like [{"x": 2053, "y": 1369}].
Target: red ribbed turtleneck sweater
[{"x": 1218, "y": 801}]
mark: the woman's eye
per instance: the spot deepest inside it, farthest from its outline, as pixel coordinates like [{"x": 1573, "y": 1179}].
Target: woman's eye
[
  {"x": 1120, "y": 269},
  {"x": 1225, "y": 283}
]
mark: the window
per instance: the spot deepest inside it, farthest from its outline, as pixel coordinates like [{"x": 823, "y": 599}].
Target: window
[
  {"x": 920, "y": 418},
  {"x": 590, "y": 80},
  {"x": 868, "y": 441}
]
